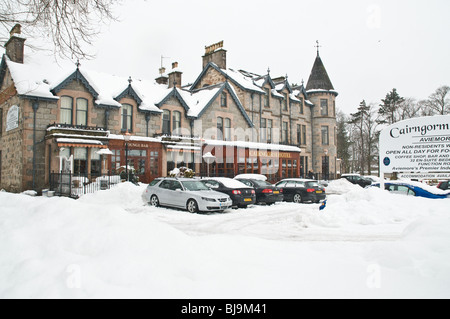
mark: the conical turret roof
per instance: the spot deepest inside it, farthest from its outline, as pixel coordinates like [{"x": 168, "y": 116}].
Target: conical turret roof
[{"x": 319, "y": 79}]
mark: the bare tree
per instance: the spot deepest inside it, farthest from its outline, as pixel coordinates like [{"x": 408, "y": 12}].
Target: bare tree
[
  {"x": 438, "y": 102},
  {"x": 69, "y": 24}
]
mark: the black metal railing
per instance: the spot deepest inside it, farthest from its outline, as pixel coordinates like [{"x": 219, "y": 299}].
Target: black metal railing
[{"x": 69, "y": 185}]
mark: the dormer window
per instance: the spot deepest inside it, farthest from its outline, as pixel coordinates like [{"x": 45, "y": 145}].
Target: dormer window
[
  {"x": 267, "y": 97},
  {"x": 285, "y": 102},
  {"x": 66, "y": 110},
  {"x": 82, "y": 112},
  {"x": 127, "y": 117}
]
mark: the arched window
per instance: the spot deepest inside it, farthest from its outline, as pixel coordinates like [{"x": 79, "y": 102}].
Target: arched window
[
  {"x": 82, "y": 111},
  {"x": 65, "y": 114},
  {"x": 127, "y": 117}
]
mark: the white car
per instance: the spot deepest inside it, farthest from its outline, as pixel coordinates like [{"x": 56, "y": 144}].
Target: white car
[{"x": 185, "y": 193}]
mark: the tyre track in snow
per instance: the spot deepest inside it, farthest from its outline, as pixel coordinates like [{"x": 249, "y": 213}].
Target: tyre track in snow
[{"x": 282, "y": 221}]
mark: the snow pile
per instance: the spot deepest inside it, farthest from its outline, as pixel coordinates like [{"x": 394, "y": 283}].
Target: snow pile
[
  {"x": 111, "y": 245},
  {"x": 341, "y": 186}
]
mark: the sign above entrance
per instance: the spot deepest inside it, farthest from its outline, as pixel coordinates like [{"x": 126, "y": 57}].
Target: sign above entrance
[{"x": 416, "y": 145}]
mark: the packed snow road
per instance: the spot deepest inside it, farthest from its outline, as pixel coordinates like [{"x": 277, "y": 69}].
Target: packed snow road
[{"x": 282, "y": 221}]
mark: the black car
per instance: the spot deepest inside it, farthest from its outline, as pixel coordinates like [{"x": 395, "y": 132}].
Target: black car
[
  {"x": 357, "y": 180},
  {"x": 265, "y": 192},
  {"x": 241, "y": 194},
  {"x": 301, "y": 190},
  {"x": 444, "y": 185}
]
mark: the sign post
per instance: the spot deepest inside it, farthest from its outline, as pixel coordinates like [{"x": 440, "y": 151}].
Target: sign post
[{"x": 419, "y": 145}]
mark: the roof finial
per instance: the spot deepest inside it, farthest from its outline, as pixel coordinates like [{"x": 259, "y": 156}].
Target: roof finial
[
  {"x": 78, "y": 64},
  {"x": 303, "y": 82},
  {"x": 268, "y": 70},
  {"x": 317, "y": 46},
  {"x": 130, "y": 80}
]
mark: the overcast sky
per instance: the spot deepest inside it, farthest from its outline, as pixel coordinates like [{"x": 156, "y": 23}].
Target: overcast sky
[{"x": 368, "y": 47}]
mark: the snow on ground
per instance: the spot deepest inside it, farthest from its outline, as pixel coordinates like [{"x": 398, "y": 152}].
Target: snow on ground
[{"x": 365, "y": 244}]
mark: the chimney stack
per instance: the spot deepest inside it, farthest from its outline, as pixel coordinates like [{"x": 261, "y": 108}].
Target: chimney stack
[
  {"x": 175, "y": 76},
  {"x": 216, "y": 54},
  {"x": 162, "y": 79},
  {"x": 15, "y": 45}
]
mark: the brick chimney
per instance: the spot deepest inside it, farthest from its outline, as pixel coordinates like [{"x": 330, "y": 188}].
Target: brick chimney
[
  {"x": 162, "y": 79},
  {"x": 216, "y": 54},
  {"x": 15, "y": 45},
  {"x": 175, "y": 76}
]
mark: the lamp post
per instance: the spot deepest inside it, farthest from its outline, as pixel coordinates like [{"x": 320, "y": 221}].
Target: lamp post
[
  {"x": 126, "y": 138},
  {"x": 209, "y": 158}
]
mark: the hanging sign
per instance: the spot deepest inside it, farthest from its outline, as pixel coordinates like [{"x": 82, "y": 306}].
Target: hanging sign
[
  {"x": 416, "y": 145},
  {"x": 12, "y": 118}
]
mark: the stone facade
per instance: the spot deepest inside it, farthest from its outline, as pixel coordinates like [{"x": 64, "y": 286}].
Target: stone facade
[{"x": 272, "y": 112}]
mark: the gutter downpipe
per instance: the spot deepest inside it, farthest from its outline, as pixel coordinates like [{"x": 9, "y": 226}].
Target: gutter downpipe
[{"x": 35, "y": 105}]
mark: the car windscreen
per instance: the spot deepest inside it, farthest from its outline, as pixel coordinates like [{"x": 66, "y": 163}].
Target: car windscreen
[{"x": 194, "y": 186}]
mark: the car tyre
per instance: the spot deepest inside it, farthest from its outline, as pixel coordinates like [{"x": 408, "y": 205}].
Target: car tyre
[
  {"x": 192, "y": 206},
  {"x": 298, "y": 198},
  {"x": 154, "y": 201}
]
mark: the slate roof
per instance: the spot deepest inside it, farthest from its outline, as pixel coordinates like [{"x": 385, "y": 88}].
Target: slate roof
[{"x": 319, "y": 79}]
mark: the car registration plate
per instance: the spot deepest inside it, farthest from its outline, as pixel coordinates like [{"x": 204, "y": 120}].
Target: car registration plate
[
  {"x": 318, "y": 192},
  {"x": 247, "y": 199},
  {"x": 276, "y": 192}
]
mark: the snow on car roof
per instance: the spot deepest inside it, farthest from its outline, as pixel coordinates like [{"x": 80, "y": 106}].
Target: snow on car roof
[
  {"x": 228, "y": 182},
  {"x": 251, "y": 176}
]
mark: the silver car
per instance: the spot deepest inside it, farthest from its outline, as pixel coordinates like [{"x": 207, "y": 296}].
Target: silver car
[{"x": 185, "y": 193}]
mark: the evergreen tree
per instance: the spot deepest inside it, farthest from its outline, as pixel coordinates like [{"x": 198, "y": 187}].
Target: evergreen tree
[
  {"x": 389, "y": 107},
  {"x": 343, "y": 141},
  {"x": 357, "y": 120}
]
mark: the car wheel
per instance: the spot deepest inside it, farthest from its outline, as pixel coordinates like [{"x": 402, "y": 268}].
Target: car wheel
[
  {"x": 298, "y": 198},
  {"x": 154, "y": 201},
  {"x": 192, "y": 206}
]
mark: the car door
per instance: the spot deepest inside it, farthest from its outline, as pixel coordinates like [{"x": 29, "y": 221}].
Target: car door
[
  {"x": 178, "y": 196},
  {"x": 163, "y": 192}
]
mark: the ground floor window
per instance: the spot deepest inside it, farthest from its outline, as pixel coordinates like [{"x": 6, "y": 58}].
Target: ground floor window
[
  {"x": 79, "y": 161},
  {"x": 182, "y": 158},
  {"x": 288, "y": 168},
  {"x": 96, "y": 163}
]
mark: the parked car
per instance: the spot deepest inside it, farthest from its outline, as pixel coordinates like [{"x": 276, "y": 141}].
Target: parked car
[
  {"x": 412, "y": 188},
  {"x": 185, "y": 193},
  {"x": 357, "y": 179},
  {"x": 265, "y": 192},
  {"x": 299, "y": 190},
  {"x": 241, "y": 194},
  {"x": 444, "y": 185}
]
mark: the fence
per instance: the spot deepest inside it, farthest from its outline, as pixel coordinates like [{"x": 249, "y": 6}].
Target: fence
[{"x": 66, "y": 184}]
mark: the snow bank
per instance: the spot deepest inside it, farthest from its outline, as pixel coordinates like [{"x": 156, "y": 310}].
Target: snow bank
[
  {"x": 110, "y": 245},
  {"x": 341, "y": 186}
]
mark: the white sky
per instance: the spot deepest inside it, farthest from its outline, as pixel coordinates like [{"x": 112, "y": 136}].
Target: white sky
[{"x": 368, "y": 47}]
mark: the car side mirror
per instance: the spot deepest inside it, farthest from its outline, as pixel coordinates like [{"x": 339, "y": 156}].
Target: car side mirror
[{"x": 178, "y": 190}]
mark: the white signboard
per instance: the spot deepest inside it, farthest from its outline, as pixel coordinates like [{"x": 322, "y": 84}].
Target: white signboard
[
  {"x": 12, "y": 118},
  {"x": 421, "y": 176},
  {"x": 416, "y": 145}
]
